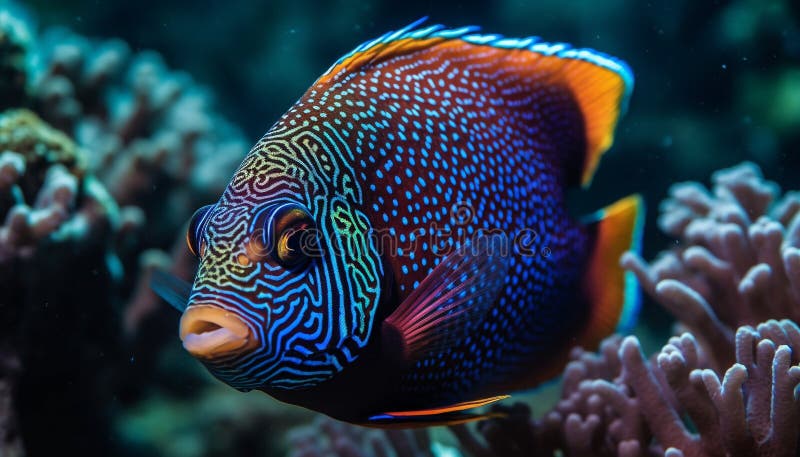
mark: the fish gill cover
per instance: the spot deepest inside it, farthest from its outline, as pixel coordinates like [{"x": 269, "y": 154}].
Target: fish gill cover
[{"x": 106, "y": 151}]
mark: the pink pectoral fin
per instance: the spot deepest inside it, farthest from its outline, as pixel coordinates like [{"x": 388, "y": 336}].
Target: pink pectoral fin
[{"x": 452, "y": 299}]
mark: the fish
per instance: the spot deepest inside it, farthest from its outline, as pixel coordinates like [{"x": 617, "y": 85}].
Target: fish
[{"x": 397, "y": 250}]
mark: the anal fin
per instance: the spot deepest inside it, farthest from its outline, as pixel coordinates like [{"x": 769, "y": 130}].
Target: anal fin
[{"x": 444, "y": 415}]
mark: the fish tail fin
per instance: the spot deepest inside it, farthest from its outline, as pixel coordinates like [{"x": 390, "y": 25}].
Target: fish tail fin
[{"x": 612, "y": 292}]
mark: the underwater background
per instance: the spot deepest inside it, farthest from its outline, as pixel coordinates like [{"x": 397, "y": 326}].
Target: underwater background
[{"x": 124, "y": 117}]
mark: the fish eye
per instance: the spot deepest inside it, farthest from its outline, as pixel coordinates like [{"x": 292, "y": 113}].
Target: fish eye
[
  {"x": 194, "y": 234},
  {"x": 295, "y": 238}
]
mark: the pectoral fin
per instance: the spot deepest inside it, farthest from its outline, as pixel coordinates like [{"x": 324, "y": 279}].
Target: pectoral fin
[
  {"x": 452, "y": 299},
  {"x": 173, "y": 290}
]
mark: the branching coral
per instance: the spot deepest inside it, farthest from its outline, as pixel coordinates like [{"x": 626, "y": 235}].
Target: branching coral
[
  {"x": 671, "y": 406},
  {"x": 738, "y": 262},
  {"x": 150, "y": 134},
  {"x": 44, "y": 191},
  {"x": 99, "y": 141},
  {"x": 596, "y": 416},
  {"x": 750, "y": 411},
  {"x": 143, "y": 125},
  {"x": 146, "y": 133},
  {"x": 53, "y": 210}
]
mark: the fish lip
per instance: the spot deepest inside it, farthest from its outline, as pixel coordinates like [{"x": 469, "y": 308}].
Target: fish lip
[{"x": 209, "y": 332}]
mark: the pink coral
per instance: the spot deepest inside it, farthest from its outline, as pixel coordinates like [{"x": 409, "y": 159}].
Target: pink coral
[
  {"x": 750, "y": 411},
  {"x": 620, "y": 404},
  {"x": 738, "y": 261}
]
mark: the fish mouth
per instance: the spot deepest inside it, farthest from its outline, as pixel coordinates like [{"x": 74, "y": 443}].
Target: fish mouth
[{"x": 209, "y": 332}]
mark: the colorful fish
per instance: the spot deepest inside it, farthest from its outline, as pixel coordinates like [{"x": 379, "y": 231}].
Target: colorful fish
[{"x": 397, "y": 250}]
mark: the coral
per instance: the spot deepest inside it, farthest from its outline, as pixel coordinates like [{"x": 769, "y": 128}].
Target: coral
[
  {"x": 738, "y": 261},
  {"x": 44, "y": 193},
  {"x": 104, "y": 155},
  {"x": 596, "y": 416},
  {"x": 672, "y": 406},
  {"x": 752, "y": 410},
  {"x": 53, "y": 210},
  {"x": 151, "y": 136},
  {"x": 143, "y": 125},
  {"x": 46, "y": 198}
]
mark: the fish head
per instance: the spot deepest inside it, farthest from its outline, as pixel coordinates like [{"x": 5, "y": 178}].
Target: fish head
[{"x": 287, "y": 287}]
